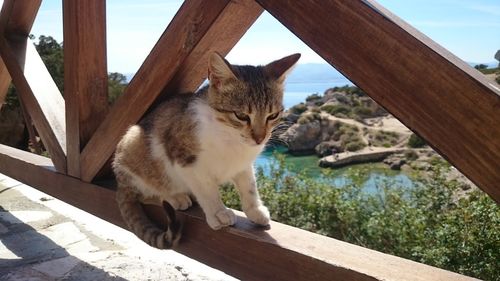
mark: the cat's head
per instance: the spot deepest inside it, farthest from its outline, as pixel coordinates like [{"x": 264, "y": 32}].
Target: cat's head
[{"x": 248, "y": 98}]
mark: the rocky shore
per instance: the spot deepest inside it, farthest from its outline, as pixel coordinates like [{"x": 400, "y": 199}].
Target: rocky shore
[{"x": 344, "y": 127}]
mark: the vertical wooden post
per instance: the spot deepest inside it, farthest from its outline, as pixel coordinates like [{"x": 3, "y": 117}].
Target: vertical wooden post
[{"x": 85, "y": 74}]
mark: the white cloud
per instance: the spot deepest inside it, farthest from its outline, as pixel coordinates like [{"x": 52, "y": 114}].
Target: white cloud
[
  {"x": 444, "y": 23},
  {"x": 487, "y": 9}
]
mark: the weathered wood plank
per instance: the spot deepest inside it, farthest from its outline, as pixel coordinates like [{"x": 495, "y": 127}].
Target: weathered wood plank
[
  {"x": 39, "y": 94},
  {"x": 35, "y": 86},
  {"x": 192, "y": 22},
  {"x": 15, "y": 17},
  {"x": 4, "y": 82},
  {"x": 31, "y": 130},
  {"x": 427, "y": 88},
  {"x": 222, "y": 37},
  {"x": 19, "y": 16},
  {"x": 85, "y": 74},
  {"x": 244, "y": 251}
]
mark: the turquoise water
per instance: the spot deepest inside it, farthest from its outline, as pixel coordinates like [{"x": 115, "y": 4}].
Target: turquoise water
[{"x": 368, "y": 176}]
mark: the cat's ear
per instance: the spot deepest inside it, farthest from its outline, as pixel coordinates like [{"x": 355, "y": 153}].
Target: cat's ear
[
  {"x": 219, "y": 70},
  {"x": 279, "y": 69}
]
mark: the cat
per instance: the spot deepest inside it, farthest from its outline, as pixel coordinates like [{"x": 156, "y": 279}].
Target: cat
[{"x": 192, "y": 143}]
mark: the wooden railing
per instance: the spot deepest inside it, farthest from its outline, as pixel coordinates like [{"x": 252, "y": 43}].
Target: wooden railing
[{"x": 435, "y": 94}]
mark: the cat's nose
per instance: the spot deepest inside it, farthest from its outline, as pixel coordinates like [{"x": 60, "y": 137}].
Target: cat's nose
[{"x": 258, "y": 138}]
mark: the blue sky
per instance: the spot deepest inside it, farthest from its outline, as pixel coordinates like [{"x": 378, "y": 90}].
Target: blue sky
[{"x": 468, "y": 28}]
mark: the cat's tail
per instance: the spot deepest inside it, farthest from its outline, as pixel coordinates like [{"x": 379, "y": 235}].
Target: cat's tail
[{"x": 134, "y": 216}]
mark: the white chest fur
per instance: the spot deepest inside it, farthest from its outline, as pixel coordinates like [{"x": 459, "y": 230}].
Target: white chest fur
[{"x": 223, "y": 152}]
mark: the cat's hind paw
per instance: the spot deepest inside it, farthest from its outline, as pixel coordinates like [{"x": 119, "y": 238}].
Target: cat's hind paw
[
  {"x": 222, "y": 218},
  {"x": 259, "y": 215}
]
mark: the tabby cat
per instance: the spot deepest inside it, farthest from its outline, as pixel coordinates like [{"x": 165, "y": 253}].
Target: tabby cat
[{"x": 192, "y": 143}]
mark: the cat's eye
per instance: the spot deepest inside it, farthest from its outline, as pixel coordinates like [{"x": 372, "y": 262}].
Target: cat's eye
[
  {"x": 273, "y": 116},
  {"x": 242, "y": 116}
]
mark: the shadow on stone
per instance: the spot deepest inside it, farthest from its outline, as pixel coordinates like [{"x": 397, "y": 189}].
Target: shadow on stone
[{"x": 26, "y": 253}]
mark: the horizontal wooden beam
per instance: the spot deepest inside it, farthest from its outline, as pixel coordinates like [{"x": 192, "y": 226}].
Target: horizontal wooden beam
[
  {"x": 245, "y": 251},
  {"x": 452, "y": 106},
  {"x": 39, "y": 172},
  {"x": 85, "y": 74},
  {"x": 190, "y": 24}
]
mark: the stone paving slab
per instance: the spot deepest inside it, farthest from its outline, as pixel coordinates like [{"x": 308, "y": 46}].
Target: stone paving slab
[{"x": 42, "y": 238}]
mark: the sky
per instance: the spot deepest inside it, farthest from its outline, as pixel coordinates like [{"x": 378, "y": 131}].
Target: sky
[{"x": 470, "y": 29}]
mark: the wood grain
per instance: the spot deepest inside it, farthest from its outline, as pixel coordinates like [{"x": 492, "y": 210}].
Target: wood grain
[
  {"x": 4, "y": 82},
  {"x": 245, "y": 251},
  {"x": 223, "y": 35},
  {"x": 85, "y": 74},
  {"x": 431, "y": 91},
  {"x": 35, "y": 87},
  {"x": 39, "y": 95},
  {"x": 191, "y": 23},
  {"x": 19, "y": 17}
]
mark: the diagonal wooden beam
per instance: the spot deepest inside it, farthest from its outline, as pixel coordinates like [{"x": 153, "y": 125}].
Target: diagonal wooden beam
[
  {"x": 35, "y": 86},
  {"x": 16, "y": 17},
  {"x": 40, "y": 96},
  {"x": 222, "y": 37},
  {"x": 188, "y": 29},
  {"x": 85, "y": 74},
  {"x": 431, "y": 91}
]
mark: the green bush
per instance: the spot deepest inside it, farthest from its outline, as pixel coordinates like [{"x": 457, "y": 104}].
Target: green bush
[
  {"x": 309, "y": 117},
  {"x": 411, "y": 155},
  {"x": 426, "y": 223},
  {"x": 363, "y": 112},
  {"x": 383, "y": 138},
  {"x": 298, "y": 109},
  {"x": 351, "y": 90},
  {"x": 313, "y": 97},
  {"x": 415, "y": 141},
  {"x": 337, "y": 109},
  {"x": 355, "y": 145}
]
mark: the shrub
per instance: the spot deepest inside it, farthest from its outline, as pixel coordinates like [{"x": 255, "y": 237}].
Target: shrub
[
  {"x": 415, "y": 141},
  {"x": 426, "y": 223},
  {"x": 355, "y": 145},
  {"x": 313, "y": 97},
  {"x": 383, "y": 138},
  {"x": 337, "y": 109},
  {"x": 298, "y": 109},
  {"x": 411, "y": 155},
  {"x": 362, "y": 111},
  {"x": 309, "y": 117}
]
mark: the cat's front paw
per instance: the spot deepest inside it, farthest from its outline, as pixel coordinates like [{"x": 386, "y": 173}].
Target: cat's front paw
[
  {"x": 180, "y": 201},
  {"x": 259, "y": 215},
  {"x": 222, "y": 218}
]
